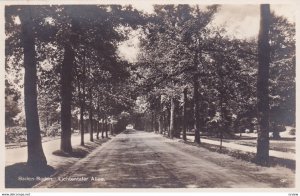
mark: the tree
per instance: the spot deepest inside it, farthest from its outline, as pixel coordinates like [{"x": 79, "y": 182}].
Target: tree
[
  {"x": 25, "y": 41},
  {"x": 184, "y": 114},
  {"x": 36, "y": 156},
  {"x": 262, "y": 155},
  {"x": 66, "y": 97},
  {"x": 282, "y": 74},
  {"x": 174, "y": 48}
]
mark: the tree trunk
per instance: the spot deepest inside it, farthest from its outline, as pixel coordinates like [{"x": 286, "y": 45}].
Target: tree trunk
[
  {"x": 111, "y": 129},
  {"x": 160, "y": 123},
  {"x": 106, "y": 129},
  {"x": 262, "y": 155},
  {"x": 223, "y": 117},
  {"x": 66, "y": 97},
  {"x": 172, "y": 118},
  {"x": 36, "y": 156},
  {"x": 82, "y": 123},
  {"x": 155, "y": 122},
  {"x": 103, "y": 127},
  {"x": 98, "y": 131},
  {"x": 184, "y": 115},
  {"x": 167, "y": 124},
  {"x": 176, "y": 119},
  {"x": 91, "y": 124},
  {"x": 196, "y": 100},
  {"x": 196, "y": 110}
]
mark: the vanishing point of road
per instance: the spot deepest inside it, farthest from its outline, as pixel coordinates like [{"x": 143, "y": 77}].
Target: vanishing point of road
[{"x": 138, "y": 159}]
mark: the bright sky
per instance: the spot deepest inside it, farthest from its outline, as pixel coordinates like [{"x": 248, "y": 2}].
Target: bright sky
[{"x": 241, "y": 21}]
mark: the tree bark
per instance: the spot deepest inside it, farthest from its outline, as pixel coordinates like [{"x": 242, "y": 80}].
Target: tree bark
[
  {"x": 82, "y": 103},
  {"x": 66, "y": 96},
  {"x": 196, "y": 110},
  {"x": 177, "y": 122},
  {"x": 91, "y": 124},
  {"x": 184, "y": 115},
  {"x": 172, "y": 118},
  {"x": 167, "y": 122},
  {"x": 36, "y": 156},
  {"x": 262, "y": 155},
  {"x": 196, "y": 100},
  {"x": 103, "y": 127},
  {"x": 111, "y": 129},
  {"x": 160, "y": 123},
  {"x": 97, "y": 133},
  {"x": 106, "y": 129},
  {"x": 81, "y": 123}
]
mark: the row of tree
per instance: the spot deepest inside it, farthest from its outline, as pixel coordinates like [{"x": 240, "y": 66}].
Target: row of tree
[
  {"x": 195, "y": 77},
  {"x": 69, "y": 56},
  {"x": 189, "y": 74}
]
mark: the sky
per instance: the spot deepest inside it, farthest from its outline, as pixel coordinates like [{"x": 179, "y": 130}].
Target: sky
[{"x": 240, "y": 21}]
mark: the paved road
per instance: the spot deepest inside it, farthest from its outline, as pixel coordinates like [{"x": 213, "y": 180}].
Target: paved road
[{"x": 136, "y": 159}]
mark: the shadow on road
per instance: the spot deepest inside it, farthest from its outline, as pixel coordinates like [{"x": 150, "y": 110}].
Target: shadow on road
[
  {"x": 76, "y": 153},
  {"x": 20, "y": 175},
  {"x": 81, "y": 151},
  {"x": 129, "y": 131}
]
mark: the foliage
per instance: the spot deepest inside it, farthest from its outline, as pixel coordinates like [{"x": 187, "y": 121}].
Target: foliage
[{"x": 15, "y": 134}]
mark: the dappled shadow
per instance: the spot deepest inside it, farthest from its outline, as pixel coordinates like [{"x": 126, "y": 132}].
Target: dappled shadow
[
  {"x": 20, "y": 175},
  {"x": 76, "y": 153},
  {"x": 129, "y": 131},
  {"x": 246, "y": 156},
  {"x": 81, "y": 151},
  {"x": 284, "y": 139}
]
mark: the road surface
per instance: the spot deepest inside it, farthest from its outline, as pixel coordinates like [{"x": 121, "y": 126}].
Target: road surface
[{"x": 137, "y": 159}]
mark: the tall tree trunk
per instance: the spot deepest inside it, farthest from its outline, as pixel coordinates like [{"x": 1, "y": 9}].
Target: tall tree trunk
[
  {"x": 98, "y": 128},
  {"x": 151, "y": 122},
  {"x": 103, "y": 127},
  {"x": 111, "y": 129},
  {"x": 167, "y": 122},
  {"x": 196, "y": 99},
  {"x": 91, "y": 124},
  {"x": 36, "y": 156},
  {"x": 262, "y": 155},
  {"x": 196, "y": 110},
  {"x": 81, "y": 123},
  {"x": 160, "y": 123},
  {"x": 177, "y": 122},
  {"x": 223, "y": 117},
  {"x": 106, "y": 129},
  {"x": 155, "y": 122},
  {"x": 172, "y": 118},
  {"x": 184, "y": 115},
  {"x": 82, "y": 103},
  {"x": 66, "y": 96}
]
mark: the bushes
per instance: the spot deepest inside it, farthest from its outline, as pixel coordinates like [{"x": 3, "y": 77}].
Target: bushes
[
  {"x": 15, "y": 134},
  {"x": 53, "y": 130},
  {"x": 19, "y": 134},
  {"x": 292, "y": 131}
]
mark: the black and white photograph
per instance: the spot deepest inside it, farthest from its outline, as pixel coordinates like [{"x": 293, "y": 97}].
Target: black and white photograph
[{"x": 148, "y": 95}]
